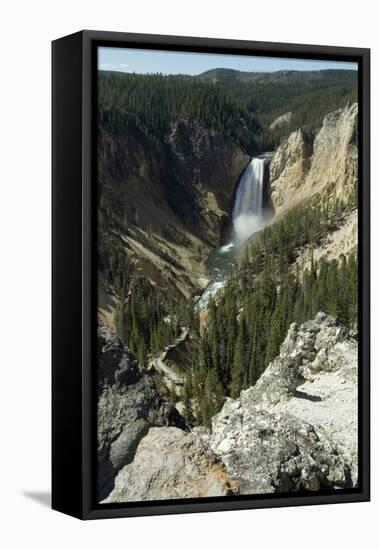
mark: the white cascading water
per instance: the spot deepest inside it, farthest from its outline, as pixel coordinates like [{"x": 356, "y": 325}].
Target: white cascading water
[
  {"x": 247, "y": 210},
  {"x": 247, "y": 218}
]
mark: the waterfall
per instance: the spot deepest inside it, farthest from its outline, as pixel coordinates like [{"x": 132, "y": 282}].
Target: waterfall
[
  {"x": 247, "y": 210},
  {"x": 247, "y": 218}
]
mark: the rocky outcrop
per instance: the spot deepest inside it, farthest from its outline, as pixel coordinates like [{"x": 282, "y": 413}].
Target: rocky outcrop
[
  {"x": 335, "y": 157},
  {"x": 296, "y": 429},
  {"x": 282, "y": 119},
  {"x": 342, "y": 241},
  {"x": 170, "y": 463},
  {"x": 304, "y": 166},
  {"x": 128, "y": 405},
  {"x": 289, "y": 167}
]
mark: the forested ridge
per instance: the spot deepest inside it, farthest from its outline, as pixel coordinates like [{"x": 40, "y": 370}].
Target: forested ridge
[
  {"x": 153, "y": 102},
  {"x": 241, "y": 108},
  {"x": 308, "y": 95}
]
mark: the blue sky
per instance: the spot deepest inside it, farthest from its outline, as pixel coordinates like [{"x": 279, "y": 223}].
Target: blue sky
[{"x": 157, "y": 61}]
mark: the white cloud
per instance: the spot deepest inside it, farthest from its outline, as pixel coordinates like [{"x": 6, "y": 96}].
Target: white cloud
[{"x": 123, "y": 67}]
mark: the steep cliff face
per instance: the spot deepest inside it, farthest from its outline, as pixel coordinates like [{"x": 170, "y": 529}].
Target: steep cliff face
[
  {"x": 289, "y": 168},
  {"x": 128, "y": 405},
  {"x": 209, "y": 165},
  {"x": 335, "y": 157},
  {"x": 302, "y": 166},
  {"x": 297, "y": 427},
  {"x": 169, "y": 198}
]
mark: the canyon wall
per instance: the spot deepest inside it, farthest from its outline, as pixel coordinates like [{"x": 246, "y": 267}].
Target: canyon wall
[
  {"x": 169, "y": 199},
  {"x": 305, "y": 165}
]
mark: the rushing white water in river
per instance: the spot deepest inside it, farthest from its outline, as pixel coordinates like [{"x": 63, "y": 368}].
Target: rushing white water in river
[
  {"x": 209, "y": 292},
  {"x": 247, "y": 210},
  {"x": 224, "y": 249}
]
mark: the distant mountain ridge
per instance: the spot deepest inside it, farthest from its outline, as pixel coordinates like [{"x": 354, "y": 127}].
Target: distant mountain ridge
[{"x": 280, "y": 76}]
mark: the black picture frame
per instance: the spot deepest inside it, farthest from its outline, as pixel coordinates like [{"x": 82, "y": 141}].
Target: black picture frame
[{"x": 74, "y": 279}]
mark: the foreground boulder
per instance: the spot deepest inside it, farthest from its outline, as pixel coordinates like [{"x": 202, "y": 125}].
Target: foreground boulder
[
  {"x": 296, "y": 429},
  {"x": 128, "y": 405},
  {"x": 170, "y": 463}
]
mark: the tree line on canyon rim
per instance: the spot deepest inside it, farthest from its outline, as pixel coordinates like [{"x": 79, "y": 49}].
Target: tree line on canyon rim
[
  {"x": 250, "y": 318},
  {"x": 241, "y": 107}
]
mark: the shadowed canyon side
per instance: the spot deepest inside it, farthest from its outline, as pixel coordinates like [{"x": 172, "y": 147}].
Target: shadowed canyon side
[
  {"x": 169, "y": 201},
  {"x": 228, "y": 284}
]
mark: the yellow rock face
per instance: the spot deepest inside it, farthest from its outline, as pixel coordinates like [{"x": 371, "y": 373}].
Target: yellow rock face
[{"x": 300, "y": 169}]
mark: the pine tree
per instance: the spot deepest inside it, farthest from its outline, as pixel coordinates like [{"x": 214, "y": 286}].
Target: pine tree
[
  {"x": 186, "y": 396},
  {"x": 241, "y": 360},
  {"x": 275, "y": 338}
]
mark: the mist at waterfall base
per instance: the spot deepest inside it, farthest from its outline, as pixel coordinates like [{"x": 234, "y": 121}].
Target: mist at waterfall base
[{"x": 247, "y": 219}]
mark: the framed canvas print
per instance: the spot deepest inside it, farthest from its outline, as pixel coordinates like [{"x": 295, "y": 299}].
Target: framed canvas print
[{"x": 210, "y": 274}]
